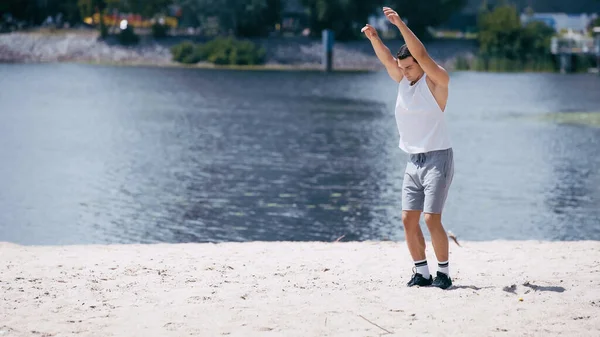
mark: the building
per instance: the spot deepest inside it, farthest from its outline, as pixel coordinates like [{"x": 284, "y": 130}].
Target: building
[
  {"x": 559, "y": 14},
  {"x": 562, "y": 22},
  {"x": 540, "y": 6}
]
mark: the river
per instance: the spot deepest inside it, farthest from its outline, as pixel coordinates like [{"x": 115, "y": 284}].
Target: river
[{"x": 97, "y": 154}]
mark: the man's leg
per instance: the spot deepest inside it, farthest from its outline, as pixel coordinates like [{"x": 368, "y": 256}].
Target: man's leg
[
  {"x": 412, "y": 203},
  {"x": 416, "y": 246},
  {"x": 437, "y": 183},
  {"x": 414, "y": 236},
  {"x": 439, "y": 240}
]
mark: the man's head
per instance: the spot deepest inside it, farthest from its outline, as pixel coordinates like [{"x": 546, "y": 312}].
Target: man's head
[{"x": 409, "y": 66}]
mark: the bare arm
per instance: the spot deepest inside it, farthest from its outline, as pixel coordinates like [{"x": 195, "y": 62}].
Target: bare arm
[
  {"x": 383, "y": 53},
  {"x": 435, "y": 72}
]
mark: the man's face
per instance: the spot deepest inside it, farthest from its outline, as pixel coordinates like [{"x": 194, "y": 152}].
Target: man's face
[{"x": 411, "y": 69}]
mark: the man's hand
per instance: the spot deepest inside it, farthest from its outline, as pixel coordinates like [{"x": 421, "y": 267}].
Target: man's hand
[
  {"x": 392, "y": 16},
  {"x": 383, "y": 53},
  {"x": 435, "y": 73},
  {"x": 370, "y": 31}
]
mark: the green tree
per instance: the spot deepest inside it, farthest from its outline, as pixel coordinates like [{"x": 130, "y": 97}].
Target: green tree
[
  {"x": 244, "y": 18},
  {"x": 420, "y": 14},
  {"x": 535, "y": 39},
  {"x": 71, "y": 12},
  {"x": 344, "y": 17},
  {"x": 498, "y": 31},
  {"x": 147, "y": 8},
  {"x": 257, "y": 17},
  {"x": 506, "y": 44},
  {"x": 33, "y": 11},
  {"x": 87, "y": 8},
  {"x": 19, "y": 9}
]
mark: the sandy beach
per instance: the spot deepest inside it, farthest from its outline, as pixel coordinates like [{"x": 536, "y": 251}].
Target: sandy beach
[{"x": 501, "y": 288}]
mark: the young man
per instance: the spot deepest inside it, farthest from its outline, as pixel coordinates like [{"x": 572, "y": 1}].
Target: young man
[{"x": 420, "y": 106}]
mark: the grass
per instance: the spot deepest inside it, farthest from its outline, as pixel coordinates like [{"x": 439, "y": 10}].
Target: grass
[
  {"x": 574, "y": 118},
  {"x": 504, "y": 65}
]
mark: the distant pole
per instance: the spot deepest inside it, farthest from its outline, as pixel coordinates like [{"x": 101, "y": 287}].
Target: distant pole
[
  {"x": 596, "y": 32},
  {"x": 566, "y": 65},
  {"x": 328, "y": 40}
]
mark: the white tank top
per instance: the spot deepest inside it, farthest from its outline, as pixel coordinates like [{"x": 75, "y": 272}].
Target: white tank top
[{"x": 421, "y": 123}]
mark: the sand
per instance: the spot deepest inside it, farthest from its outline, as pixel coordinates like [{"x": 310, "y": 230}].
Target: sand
[{"x": 298, "y": 289}]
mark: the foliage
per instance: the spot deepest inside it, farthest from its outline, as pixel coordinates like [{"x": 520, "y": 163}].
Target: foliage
[
  {"x": 221, "y": 51},
  {"x": 185, "y": 52},
  {"x": 70, "y": 10},
  {"x": 245, "y": 18},
  {"x": 147, "y": 8},
  {"x": 506, "y": 45},
  {"x": 35, "y": 12},
  {"x": 498, "y": 31},
  {"x": 425, "y": 13},
  {"x": 344, "y": 17}
]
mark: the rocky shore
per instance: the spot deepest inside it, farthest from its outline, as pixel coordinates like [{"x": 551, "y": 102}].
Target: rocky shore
[{"x": 84, "y": 46}]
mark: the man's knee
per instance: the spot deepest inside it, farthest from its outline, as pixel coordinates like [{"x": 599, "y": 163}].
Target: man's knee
[
  {"x": 433, "y": 221},
  {"x": 410, "y": 219}
]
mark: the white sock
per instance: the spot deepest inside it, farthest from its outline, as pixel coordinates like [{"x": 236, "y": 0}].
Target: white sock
[
  {"x": 444, "y": 268},
  {"x": 422, "y": 268}
]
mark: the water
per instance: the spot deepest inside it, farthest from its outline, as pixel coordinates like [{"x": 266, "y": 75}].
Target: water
[{"x": 93, "y": 154}]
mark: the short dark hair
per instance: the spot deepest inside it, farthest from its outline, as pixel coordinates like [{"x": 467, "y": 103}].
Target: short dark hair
[{"x": 404, "y": 53}]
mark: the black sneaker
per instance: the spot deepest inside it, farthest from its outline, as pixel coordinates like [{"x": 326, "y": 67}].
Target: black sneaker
[
  {"x": 418, "y": 280},
  {"x": 442, "y": 281}
]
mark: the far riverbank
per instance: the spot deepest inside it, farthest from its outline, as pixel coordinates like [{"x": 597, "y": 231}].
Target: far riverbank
[{"x": 281, "y": 53}]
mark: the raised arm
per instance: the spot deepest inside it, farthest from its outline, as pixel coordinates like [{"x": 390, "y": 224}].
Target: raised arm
[
  {"x": 435, "y": 72},
  {"x": 383, "y": 53}
]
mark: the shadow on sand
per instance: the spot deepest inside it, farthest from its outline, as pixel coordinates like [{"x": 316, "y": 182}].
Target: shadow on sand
[
  {"x": 454, "y": 287},
  {"x": 513, "y": 288},
  {"x": 544, "y": 288}
]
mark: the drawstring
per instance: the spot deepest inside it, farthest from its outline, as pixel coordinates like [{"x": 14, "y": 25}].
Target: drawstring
[{"x": 420, "y": 159}]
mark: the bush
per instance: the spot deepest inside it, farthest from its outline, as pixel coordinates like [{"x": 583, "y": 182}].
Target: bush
[
  {"x": 128, "y": 37},
  {"x": 159, "y": 30},
  {"x": 221, "y": 51},
  {"x": 188, "y": 53},
  {"x": 182, "y": 50},
  {"x": 582, "y": 63},
  {"x": 218, "y": 51},
  {"x": 247, "y": 53},
  {"x": 462, "y": 63}
]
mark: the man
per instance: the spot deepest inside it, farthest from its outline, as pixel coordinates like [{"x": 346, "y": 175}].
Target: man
[{"x": 420, "y": 106}]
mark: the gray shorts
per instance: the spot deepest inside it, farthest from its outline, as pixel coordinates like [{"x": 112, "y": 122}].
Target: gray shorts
[{"x": 427, "y": 180}]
